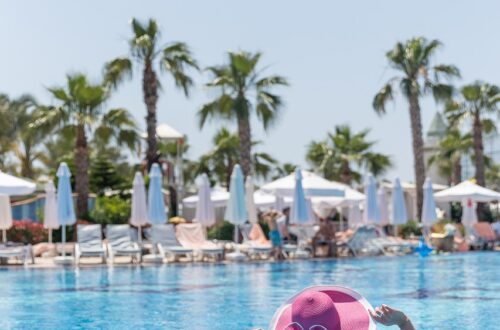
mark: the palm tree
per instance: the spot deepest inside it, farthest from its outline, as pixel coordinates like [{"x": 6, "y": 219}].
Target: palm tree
[
  {"x": 241, "y": 91},
  {"x": 418, "y": 78},
  {"x": 7, "y": 129},
  {"x": 218, "y": 163},
  {"x": 448, "y": 158},
  {"x": 338, "y": 155},
  {"x": 81, "y": 114},
  {"x": 27, "y": 140},
  {"x": 146, "y": 49},
  {"x": 284, "y": 169},
  {"x": 477, "y": 101}
]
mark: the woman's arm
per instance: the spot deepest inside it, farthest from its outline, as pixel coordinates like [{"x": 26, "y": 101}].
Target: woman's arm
[{"x": 389, "y": 316}]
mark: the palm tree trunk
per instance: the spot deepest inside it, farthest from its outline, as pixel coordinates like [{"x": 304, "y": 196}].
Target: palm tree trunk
[
  {"x": 245, "y": 144},
  {"x": 26, "y": 168},
  {"x": 150, "y": 90},
  {"x": 457, "y": 171},
  {"x": 229, "y": 171},
  {"x": 345, "y": 176},
  {"x": 478, "y": 149},
  {"x": 477, "y": 135},
  {"x": 82, "y": 175},
  {"x": 418, "y": 150}
]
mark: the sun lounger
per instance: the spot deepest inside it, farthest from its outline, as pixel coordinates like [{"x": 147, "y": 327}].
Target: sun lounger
[
  {"x": 120, "y": 243},
  {"x": 255, "y": 243},
  {"x": 89, "y": 243},
  {"x": 192, "y": 236},
  {"x": 22, "y": 253},
  {"x": 362, "y": 242},
  {"x": 164, "y": 240},
  {"x": 393, "y": 244},
  {"x": 484, "y": 234},
  {"x": 305, "y": 235}
]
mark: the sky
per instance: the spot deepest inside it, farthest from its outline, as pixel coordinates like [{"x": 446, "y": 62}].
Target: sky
[{"x": 332, "y": 52}]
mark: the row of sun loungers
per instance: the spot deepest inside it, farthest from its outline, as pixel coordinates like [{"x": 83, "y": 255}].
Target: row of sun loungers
[
  {"x": 164, "y": 240},
  {"x": 189, "y": 241}
]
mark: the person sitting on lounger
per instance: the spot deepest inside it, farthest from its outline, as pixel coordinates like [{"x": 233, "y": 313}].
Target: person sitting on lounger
[{"x": 325, "y": 237}]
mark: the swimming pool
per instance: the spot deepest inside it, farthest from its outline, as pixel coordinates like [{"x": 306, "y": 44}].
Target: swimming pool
[{"x": 460, "y": 291}]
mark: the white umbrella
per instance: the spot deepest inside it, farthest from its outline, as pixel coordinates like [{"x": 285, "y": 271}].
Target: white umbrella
[
  {"x": 50, "y": 220},
  {"x": 13, "y": 186},
  {"x": 249, "y": 200},
  {"x": 399, "y": 215},
  {"x": 429, "y": 215},
  {"x": 354, "y": 217},
  {"x": 5, "y": 215},
  {"x": 205, "y": 211},
  {"x": 220, "y": 196},
  {"x": 469, "y": 214},
  {"x": 279, "y": 204},
  {"x": 383, "y": 206},
  {"x": 139, "y": 208},
  {"x": 371, "y": 213},
  {"x": 351, "y": 196},
  {"x": 467, "y": 190},
  {"x": 312, "y": 184}
]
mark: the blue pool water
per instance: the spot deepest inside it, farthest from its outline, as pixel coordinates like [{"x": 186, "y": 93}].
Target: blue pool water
[{"x": 460, "y": 291}]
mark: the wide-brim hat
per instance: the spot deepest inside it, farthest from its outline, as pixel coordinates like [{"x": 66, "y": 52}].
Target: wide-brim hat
[{"x": 324, "y": 307}]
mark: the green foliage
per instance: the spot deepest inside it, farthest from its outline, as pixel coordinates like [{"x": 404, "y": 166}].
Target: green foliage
[
  {"x": 410, "y": 228},
  {"x": 173, "y": 58},
  {"x": 104, "y": 176},
  {"x": 221, "y": 231},
  {"x": 235, "y": 81},
  {"x": 219, "y": 161},
  {"x": 452, "y": 148},
  {"x": 111, "y": 210},
  {"x": 412, "y": 59},
  {"x": 342, "y": 152}
]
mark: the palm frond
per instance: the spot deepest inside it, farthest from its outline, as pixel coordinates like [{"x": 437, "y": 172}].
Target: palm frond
[
  {"x": 116, "y": 71},
  {"x": 446, "y": 71},
  {"x": 176, "y": 59},
  {"x": 382, "y": 98}
]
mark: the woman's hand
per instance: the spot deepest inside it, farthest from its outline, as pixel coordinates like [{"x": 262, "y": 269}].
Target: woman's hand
[{"x": 389, "y": 316}]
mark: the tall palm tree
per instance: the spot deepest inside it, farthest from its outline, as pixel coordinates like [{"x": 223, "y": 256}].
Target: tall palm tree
[
  {"x": 81, "y": 114},
  {"x": 173, "y": 58},
  {"x": 418, "y": 77},
  {"x": 448, "y": 158},
  {"x": 27, "y": 140},
  {"x": 477, "y": 101},
  {"x": 218, "y": 163},
  {"x": 341, "y": 153},
  {"x": 243, "y": 91}
]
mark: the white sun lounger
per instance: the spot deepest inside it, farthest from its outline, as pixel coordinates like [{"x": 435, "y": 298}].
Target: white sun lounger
[
  {"x": 192, "y": 236},
  {"x": 22, "y": 253},
  {"x": 305, "y": 234},
  {"x": 120, "y": 243},
  {"x": 363, "y": 242},
  {"x": 89, "y": 243},
  {"x": 162, "y": 236},
  {"x": 255, "y": 243}
]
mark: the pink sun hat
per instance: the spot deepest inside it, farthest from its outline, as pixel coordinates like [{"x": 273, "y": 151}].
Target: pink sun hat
[{"x": 324, "y": 308}]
